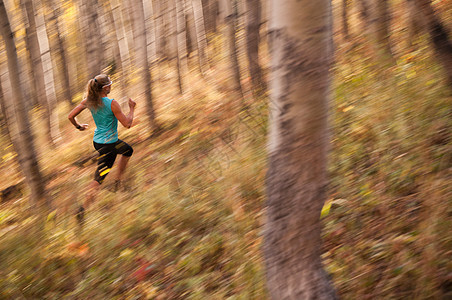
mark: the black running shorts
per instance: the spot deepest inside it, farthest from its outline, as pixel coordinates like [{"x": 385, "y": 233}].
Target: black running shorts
[{"x": 107, "y": 156}]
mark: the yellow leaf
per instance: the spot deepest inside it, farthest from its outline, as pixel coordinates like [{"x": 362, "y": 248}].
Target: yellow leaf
[{"x": 326, "y": 209}]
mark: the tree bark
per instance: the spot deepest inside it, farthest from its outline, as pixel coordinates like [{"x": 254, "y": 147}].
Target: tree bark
[
  {"x": 439, "y": 35},
  {"x": 253, "y": 22},
  {"x": 301, "y": 54},
  {"x": 25, "y": 140}
]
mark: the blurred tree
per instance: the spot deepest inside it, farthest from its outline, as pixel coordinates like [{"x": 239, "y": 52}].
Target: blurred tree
[
  {"x": 200, "y": 35},
  {"x": 25, "y": 141},
  {"x": 124, "y": 52},
  {"x": 229, "y": 12},
  {"x": 439, "y": 35},
  {"x": 210, "y": 10},
  {"x": 142, "y": 41},
  {"x": 59, "y": 46},
  {"x": 380, "y": 23},
  {"x": 414, "y": 24},
  {"x": 253, "y": 23},
  {"x": 345, "y": 12},
  {"x": 93, "y": 41},
  {"x": 38, "y": 47},
  {"x": 301, "y": 54},
  {"x": 181, "y": 56}
]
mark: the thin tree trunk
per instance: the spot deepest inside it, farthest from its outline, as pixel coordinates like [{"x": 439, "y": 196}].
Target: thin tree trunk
[
  {"x": 143, "y": 14},
  {"x": 230, "y": 17},
  {"x": 345, "y": 29},
  {"x": 38, "y": 46},
  {"x": 382, "y": 27},
  {"x": 25, "y": 141},
  {"x": 253, "y": 22},
  {"x": 210, "y": 11},
  {"x": 49, "y": 81},
  {"x": 109, "y": 24},
  {"x": 200, "y": 35},
  {"x": 59, "y": 47},
  {"x": 413, "y": 23},
  {"x": 123, "y": 45},
  {"x": 439, "y": 35},
  {"x": 364, "y": 8},
  {"x": 91, "y": 29},
  {"x": 300, "y": 42},
  {"x": 190, "y": 28},
  {"x": 182, "y": 64}
]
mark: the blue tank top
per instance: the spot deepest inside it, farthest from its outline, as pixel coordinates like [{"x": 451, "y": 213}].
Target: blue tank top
[{"x": 106, "y": 123}]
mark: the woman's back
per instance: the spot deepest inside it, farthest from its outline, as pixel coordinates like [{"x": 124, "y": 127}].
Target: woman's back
[{"x": 106, "y": 123}]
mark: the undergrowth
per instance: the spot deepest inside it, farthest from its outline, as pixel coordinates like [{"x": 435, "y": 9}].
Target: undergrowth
[{"x": 188, "y": 224}]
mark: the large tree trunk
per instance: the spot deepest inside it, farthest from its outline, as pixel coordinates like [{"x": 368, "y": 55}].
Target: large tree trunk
[
  {"x": 26, "y": 141},
  {"x": 300, "y": 46},
  {"x": 230, "y": 19},
  {"x": 253, "y": 22},
  {"x": 439, "y": 35},
  {"x": 38, "y": 45},
  {"x": 200, "y": 35}
]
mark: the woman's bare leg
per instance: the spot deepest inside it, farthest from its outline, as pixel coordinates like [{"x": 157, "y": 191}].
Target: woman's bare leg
[
  {"x": 93, "y": 188},
  {"x": 122, "y": 163}
]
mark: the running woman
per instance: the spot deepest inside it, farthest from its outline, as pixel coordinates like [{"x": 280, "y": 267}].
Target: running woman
[{"x": 106, "y": 112}]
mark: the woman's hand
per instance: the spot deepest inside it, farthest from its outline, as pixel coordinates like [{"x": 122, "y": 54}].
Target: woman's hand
[
  {"x": 82, "y": 127},
  {"x": 132, "y": 103}
]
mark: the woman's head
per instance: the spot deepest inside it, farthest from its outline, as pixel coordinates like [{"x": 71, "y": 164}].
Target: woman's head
[{"x": 97, "y": 85}]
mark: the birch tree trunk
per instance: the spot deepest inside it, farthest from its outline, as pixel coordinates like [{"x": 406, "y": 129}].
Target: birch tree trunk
[
  {"x": 379, "y": 28},
  {"x": 38, "y": 45},
  {"x": 25, "y": 138},
  {"x": 200, "y": 35},
  {"x": 123, "y": 44},
  {"x": 91, "y": 29},
  {"x": 253, "y": 21},
  {"x": 230, "y": 17},
  {"x": 49, "y": 81},
  {"x": 210, "y": 11},
  {"x": 59, "y": 47},
  {"x": 345, "y": 30},
  {"x": 143, "y": 14},
  {"x": 300, "y": 47},
  {"x": 439, "y": 36},
  {"x": 109, "y": 25},
  {"x": 182, "y": 63}
]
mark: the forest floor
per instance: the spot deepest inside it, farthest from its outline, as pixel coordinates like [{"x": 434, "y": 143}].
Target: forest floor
[{"x": 188, "y": 224}]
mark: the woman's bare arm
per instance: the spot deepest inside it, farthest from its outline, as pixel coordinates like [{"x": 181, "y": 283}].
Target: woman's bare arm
[
  {"x": 77, "y": 110},
  {"x": 126, "y": 121}
]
